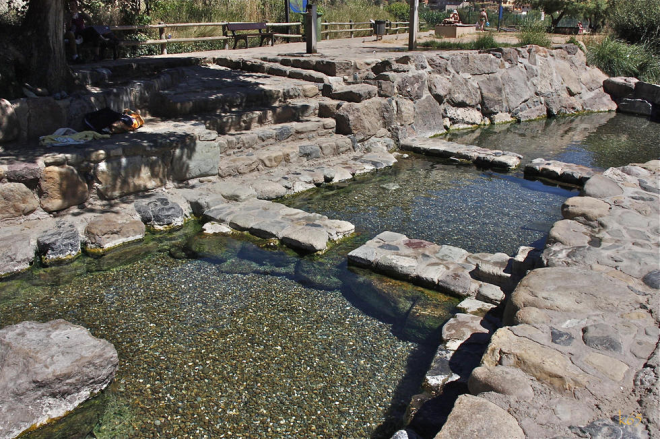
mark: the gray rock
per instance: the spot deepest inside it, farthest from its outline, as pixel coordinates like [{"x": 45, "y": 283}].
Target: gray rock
[
  {"x": 474, "y": 417},
  {"x": 306, "y": 238},
  {"x": 501, "y": 379},
  {"x": 16, "y": 200},
  {"x": 600, "y": 186},
  {"x": 602, "y": 337},
  {"x": 235, "y": 191},
  {"x": 406, "y": 434},
  {"x": 620, "y": 87},
  {"x": 111, "y": 230},
  {"x": 9, "y": 126},
  {"x": 62, "y": 187},
  {"x": 412, "y": 86},
  {"x": 492, "y": 95},
  {"x": 463, "y": 93},
  {"x": 569, "y": 233},
  {"x": 353, "y": 93},
  {"x": 48, "y": 369},
  {"x": 648, "y": 92},
  {"x": 474, "y": 307},
  {"x": 199, "y": 159},
  {"x": 636, "y": 106},
  {"x": 490, "y": 293},
  {"x": 466, "y": 327},
  {"x": 612, "y": 428},
  {"x": 439, "y": 87},
  {"x": 475, "y": 63},
  {"x": 363, "y": 256},
  {"x": 561, "y": 338},
  {"x": 652, "y": 279},
  {"x": 310, "y": 151},
  {"x": 584, "y": 207},
  {"x": 268, "y": 190},
  {"x": 16, "y": 253},
  {"x": 59, "y": 245},
  {"x": 451, "y": 254},
  {"x": 428, "y": 117},
  {"x": 159, "y": 213}
]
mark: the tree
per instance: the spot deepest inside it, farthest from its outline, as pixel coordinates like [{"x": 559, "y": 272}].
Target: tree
[
  {"x": 557, "y": 9},
  {"x": 42, "y": 43}
]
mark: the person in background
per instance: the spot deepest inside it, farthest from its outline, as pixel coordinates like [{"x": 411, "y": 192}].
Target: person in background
[
  {"x": 483, "y": 18},
  {"x": 453, "y": 18},
  {"x": 78, "y": 27},
  {"x": 580, "y": 28}
]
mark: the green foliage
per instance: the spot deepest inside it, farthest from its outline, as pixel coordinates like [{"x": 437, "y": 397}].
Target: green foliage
[
  {"x": 616, "y": 58},
  {"x": 534, "y": 32},
  {"x": 484, "y": 42},
  {"x": 637, "y": 21},
  {"x": 573, "y": 40},
  {"x": 429, "y": 16},
  {"x": 400, "y": 10}
]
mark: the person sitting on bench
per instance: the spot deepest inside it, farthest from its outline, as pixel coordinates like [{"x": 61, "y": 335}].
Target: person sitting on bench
[{"x": 99, "y": 36}]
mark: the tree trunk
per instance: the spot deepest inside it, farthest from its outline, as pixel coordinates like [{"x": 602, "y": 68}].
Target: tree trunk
[
  {"x": 556, "y": 20},
  {"x": 42, "y": 42}
]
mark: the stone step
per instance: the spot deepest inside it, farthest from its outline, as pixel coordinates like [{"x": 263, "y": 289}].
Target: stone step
[
  {"x": 119, "y": 72},
  {"x": 444, "y": 268},
  {"x": 297, "y": 229},
  {"x": 559, "y": 171},
  {"x": 329, "y": 67},
  {"x": 276, "y": 69},
  {"x": 213, "y": 88},
  {"x": 451, "y": 150}
]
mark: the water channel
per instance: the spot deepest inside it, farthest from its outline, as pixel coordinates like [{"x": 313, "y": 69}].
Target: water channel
[{"x": 222, "y": 337}]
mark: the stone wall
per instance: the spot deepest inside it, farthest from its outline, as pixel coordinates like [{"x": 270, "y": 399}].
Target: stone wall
[
  {"x": 425, "y": 94},
  {"x": 634, "y": 96}
]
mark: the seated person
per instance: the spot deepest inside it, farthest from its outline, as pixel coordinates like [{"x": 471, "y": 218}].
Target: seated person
[
  {"x": 454, "y": 18},
  {"x": 99, "y": 36}
]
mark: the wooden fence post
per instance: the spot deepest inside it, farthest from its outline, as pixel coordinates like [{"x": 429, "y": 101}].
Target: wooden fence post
[
  {"x": 351, "y": 28},
  {"x": 161, "y": 34}
]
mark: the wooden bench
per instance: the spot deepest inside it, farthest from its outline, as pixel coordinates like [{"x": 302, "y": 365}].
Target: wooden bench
[{"x": 235, "y": 27}]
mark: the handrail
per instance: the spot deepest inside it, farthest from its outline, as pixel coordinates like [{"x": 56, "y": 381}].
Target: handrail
[{"x": 391, "y": 27}]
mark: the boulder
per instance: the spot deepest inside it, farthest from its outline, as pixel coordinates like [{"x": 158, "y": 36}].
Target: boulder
[
  {"x": 28, "y": 173},
  {"x": 463, "y": 93},
  {"x": 364, "y": 119},
  {"x": 501, "y": 379},
  {"x": 146, "y": 173},
  {"x": 47, "y": 370},
  {"x": 16, "y": 200},
  {"x": 600, "y": 186},
  {"x": 473, "y": 417},
  {"x": 412, "y": 86},
  {"x": 9, "y": 127},
  {"x": 428, "y": 117},
  {"x": 306, "y": 238},
  {"x": 492, "y": 95},
  {"x": 200, "y": 159},
  {"x": 620, "y": 87},
  {"x": 439, "y": 87},
  {"x": 584, "y": 207},
  {"x": 59, "y": 245},
  {"x": 475, "y": 63},
  {"x": 235, "y": 191},
  {"x": 16, "y": 253},
  {"x": 62, "y": 187},
  {"x": 111, "y": 230},
  {"x": 160, "y": 213},
  {"x": 353, "y": 93},
  {"x": 268, "y": 190},
  {"x": 648, "y": 92},
  {"x": 570, "y": 233},
  {"x": 635, "y": 106},
  {"x": 466, "y": 327}
]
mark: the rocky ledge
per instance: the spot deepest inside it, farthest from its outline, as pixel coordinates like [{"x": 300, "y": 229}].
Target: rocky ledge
[
  {"x": 47, "y": 370},
  {"x": 579, "y": 356}
]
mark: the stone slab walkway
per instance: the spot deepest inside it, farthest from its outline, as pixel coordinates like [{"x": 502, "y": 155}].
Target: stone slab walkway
[
  {"x": 559, "y": 171},
  {"x": 456, "y": 151}
]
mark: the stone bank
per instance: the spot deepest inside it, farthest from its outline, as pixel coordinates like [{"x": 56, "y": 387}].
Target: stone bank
[{"x": 227, "y": 135}]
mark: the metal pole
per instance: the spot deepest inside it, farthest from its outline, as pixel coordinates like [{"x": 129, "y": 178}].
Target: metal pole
[
  {"x": 310, "y": 28},
  {"x": 413, "y": 24},
  {"x": 499, "y": 16},
  {"x": 287, "y": 7}
]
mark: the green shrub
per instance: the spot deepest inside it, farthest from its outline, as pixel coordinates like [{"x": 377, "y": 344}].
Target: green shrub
[
  {"x": 616, "y": 58},
  {"x": 400, "y": 10},
  {"x": 637, "y": 21},
  {"x": 534, "y": 32},
  {"x": 430, "y": 16},
  {"x": 485, "y": 41}
]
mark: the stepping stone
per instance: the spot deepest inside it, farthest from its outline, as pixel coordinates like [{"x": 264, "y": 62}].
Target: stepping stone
[
  {"x": 474, "y": 154},
  {"x": 160, "y": 213},
  {"x": 59, "y": 246},
  {"x": 559, "y": 171}
]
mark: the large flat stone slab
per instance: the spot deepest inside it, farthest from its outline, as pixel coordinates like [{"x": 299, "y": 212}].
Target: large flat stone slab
[
  {"x": 559, "y": 171},
  {"x": 450, "y": 150},
  {"x": 295, "y": 228},
  {"x": 46, "y": 370},
  {"x": 443, "y": 268}
]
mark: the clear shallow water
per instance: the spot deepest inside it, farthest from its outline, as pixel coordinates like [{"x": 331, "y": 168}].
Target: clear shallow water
[{"x": 245, "y": 341}]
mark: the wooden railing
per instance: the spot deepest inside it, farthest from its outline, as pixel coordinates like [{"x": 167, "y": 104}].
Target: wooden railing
[
  {"x": 165, "y": 39},
  {"x": 366, "y": 27},
  {"x": 391, "y": 27}
]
